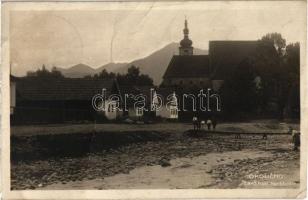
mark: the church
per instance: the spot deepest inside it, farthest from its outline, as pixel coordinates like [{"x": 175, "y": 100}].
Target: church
[{"x": 187, "y": 70}]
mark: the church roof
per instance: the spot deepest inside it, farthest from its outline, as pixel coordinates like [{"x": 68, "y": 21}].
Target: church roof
[
  {"x": 188, "y": 66},
  {"x": 225, "y": 56}
]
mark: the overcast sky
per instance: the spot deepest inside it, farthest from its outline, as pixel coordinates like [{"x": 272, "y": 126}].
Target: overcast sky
[{"x": 98, "y": 33}]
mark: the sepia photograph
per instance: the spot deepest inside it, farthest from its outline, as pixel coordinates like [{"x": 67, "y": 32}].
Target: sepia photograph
[{"x": 154, "y": 95}]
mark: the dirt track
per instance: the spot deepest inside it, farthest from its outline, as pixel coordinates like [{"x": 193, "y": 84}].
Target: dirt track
[
  {"x": 259, "y": 126},
  {"x": 100, "y": 167}
]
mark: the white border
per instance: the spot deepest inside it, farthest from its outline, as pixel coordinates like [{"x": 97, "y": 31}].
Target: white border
[{"x": 137, "y": 194}]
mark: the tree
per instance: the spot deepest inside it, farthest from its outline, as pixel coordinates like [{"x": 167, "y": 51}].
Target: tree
[
  {"x": 133, "y": 72},
  {"x": 275, "y": 40},
  {"x": 292, "y": 68},
  {"x": 55, "y": 72},
  {"x": 238, "y": 93},
  {"x": 133, "y": 77},
  {"x": 278, "y": 65},
  {"x": 293, "y": 58},
  {"x": 102, "y": 75},
  {"x": 45, "y": 73},
  {"x": 105, "y": 74},
  {"x": 269, "y": 55}
]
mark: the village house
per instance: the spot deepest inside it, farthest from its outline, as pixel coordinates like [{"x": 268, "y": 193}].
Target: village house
[
  {"x": 136, "y": 102},
  {"x": 166, "y": 102},
  {"x": 61, "y": 100}
]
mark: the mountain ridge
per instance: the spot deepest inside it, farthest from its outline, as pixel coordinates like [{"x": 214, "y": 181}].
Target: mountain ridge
[{"x": 158, "y": 59}]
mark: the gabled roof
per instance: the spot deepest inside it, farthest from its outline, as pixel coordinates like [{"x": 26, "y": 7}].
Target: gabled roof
[
  {"x": 225, "y": 56},
  {"x": 188, "y": 66},
  {"x": 136, "y": 90},
  {"x": 62, "y": 89}
]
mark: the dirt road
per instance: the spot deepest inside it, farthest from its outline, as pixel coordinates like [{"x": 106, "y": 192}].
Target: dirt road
[
  {"x": 174, "y": 161},
  {"x": 243, "y": 127}
]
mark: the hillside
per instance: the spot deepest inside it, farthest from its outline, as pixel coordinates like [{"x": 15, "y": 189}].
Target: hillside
[{"x": 153, "y": 65}]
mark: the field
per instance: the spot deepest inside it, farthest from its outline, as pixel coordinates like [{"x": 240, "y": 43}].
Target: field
[{"x": 166, "y": 155}]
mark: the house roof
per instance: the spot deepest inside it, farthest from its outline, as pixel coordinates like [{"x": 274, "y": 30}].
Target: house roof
[
  {"x": 167, "y": 92},
  {"x": 136, "y": 90},
  {"x": 225, "y": 56},
  {"x": 13, "y": 78},
  {"x": 188, "y": 66},
  {"x": 62, "y": 89},
  {"x": 164, "y": 92}
]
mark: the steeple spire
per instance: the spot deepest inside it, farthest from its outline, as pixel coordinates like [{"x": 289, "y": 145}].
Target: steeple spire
[
  {"x": 186, "y": 44},
  {"x": 186, "y": 30}
]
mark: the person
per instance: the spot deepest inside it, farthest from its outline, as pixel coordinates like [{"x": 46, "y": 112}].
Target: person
[
  {"x": 209, "y": 123},
  {"x": 214, "y": 122},
  {"x": 199, "y": 124},
  {"x": 195, "y": 122},
  {"x": 295, "y": 139},
  {"x": 238, "y": 136},
  {"x": 202, "y": 124}
]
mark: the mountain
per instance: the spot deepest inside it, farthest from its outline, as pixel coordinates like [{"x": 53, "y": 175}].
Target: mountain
[
  {"x": 77, "y": 71},
  {"x": 153, "y": 65},
  {"x": 156, "y": 63},
  {"x": 111, "y": 67}
]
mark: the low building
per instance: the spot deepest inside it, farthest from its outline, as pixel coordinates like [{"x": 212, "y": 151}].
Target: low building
[
  {"x": 167, "y": 103},
  {"x": 43, "y": 100},
  {"x": 136, "y": 102}
]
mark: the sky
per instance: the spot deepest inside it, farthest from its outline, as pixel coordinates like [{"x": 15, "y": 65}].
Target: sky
[{"x": 98, "y": 33}]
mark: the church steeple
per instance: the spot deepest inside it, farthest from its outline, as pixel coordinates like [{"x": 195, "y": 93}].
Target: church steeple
[
  {"x": 186, "y": 30},
  {"x": 186, "y": 44}
]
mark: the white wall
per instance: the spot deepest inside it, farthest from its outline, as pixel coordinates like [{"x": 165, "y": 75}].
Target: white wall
[
  {"x": 132, "y": 113},
  {"x": 164, "y": 112},
  {"x": 110, "y": 113}
]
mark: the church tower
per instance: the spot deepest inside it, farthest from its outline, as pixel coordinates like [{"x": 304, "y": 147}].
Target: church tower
[{"x": 186, "y": 48}]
